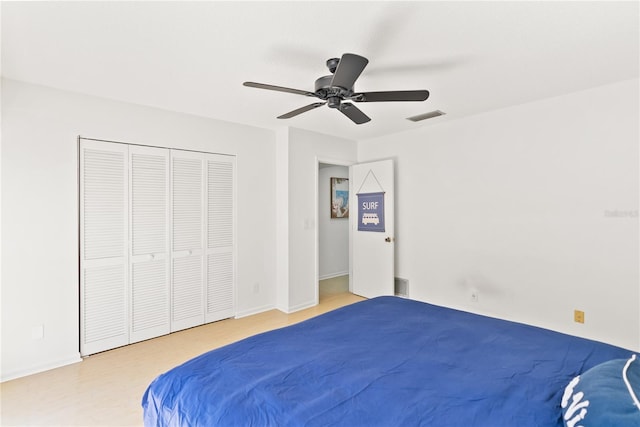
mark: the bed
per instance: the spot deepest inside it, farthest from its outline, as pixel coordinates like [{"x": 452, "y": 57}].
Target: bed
[{"x": 386, "y": 361}]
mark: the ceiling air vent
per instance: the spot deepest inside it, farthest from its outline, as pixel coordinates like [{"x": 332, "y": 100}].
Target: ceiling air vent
[{"x": 425, "y": 116}]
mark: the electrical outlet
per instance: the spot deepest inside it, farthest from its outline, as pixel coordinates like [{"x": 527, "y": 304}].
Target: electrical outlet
[
  {"x": 578, "y": 316},
  {"x": 256, "y": 288}
]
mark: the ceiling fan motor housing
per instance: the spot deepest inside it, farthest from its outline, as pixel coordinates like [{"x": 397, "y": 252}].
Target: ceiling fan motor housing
[{"x": 332, "y": 94}]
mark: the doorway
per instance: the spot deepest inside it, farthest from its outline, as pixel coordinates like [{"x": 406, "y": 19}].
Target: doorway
[{"x": 333, "y": 229}]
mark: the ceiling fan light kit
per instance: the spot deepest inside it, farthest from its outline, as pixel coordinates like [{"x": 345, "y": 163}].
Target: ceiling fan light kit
[{"x": 338, "y": 87}]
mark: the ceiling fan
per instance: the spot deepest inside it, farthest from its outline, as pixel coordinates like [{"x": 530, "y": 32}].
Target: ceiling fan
[{"x": 338, "y": 87}]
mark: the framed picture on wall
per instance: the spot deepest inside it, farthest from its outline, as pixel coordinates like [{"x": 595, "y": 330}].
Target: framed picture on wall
[{"x": 339, "y": 197}]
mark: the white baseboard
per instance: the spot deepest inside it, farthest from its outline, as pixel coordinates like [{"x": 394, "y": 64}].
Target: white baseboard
[
  {"x": 332, "y": 275},
  {"x": 264, "y": 308},
  {"x": 301, "y": 306},
  {"x": 8, "y": 376},
  {"x": 253, "y": 311}
]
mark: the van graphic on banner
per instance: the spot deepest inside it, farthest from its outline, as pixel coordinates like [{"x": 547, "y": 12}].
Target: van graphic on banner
[{"x": 371, "y": 212}]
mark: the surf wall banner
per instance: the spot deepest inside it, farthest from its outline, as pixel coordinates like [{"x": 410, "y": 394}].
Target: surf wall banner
[{"x": 371, "y": 212}]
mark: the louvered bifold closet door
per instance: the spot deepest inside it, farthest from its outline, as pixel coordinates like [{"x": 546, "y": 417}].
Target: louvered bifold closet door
[
  {"x": 220, "y": 274},
  {"x": 187, "y": 239},
  {"x": 149, "y": 246},
  {"x": 103, "y": 180}
]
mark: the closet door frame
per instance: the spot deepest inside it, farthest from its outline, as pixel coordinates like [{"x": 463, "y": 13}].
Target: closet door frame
[{"x": 216, "y": 262}]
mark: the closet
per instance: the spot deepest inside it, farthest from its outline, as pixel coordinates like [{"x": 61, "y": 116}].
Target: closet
[{"x": 157, "y": 241}]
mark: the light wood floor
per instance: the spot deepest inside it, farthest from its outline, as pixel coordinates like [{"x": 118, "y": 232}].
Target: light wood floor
[{"x": 106, "y": 389}]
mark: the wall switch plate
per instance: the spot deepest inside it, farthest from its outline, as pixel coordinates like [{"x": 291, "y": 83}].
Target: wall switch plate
[{"x": 578, "y": 316}]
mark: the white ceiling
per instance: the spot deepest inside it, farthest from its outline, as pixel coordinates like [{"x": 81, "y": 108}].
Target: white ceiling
[{"x": 192, "y": 57}]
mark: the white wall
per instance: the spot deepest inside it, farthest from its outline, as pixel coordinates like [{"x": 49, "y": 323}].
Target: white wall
[
  {"x": 333, "y": 233},
  {"x": 40, "y": 127},
  {"x": 305, "y": 149},
  {"x": 524, "y": 204}
]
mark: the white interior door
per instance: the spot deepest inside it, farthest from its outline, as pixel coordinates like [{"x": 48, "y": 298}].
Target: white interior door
[
  {"x": 103, "y": 246},
  {"x": 149, "y": 242},
  {"x": 372, "y": 228},
  {"x": 187, "y": 239},
  {"x": 220, "y": 231}
]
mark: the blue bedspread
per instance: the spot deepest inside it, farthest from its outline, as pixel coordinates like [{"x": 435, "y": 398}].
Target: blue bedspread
[{"x": 381, "y": 362}]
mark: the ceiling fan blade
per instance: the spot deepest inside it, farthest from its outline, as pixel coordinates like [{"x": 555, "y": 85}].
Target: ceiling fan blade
[
  {"x": 354, "y": 113},
  {"x": 398, "y": 95},
  {"x": 349, "y": 69},
  {"x": 278, "y": 88},
  {"x": 301, "y": 110}
]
